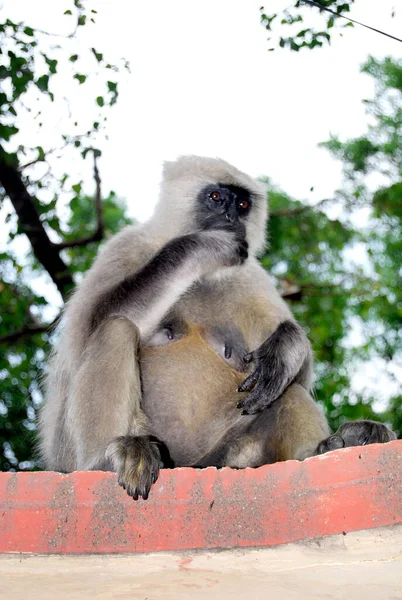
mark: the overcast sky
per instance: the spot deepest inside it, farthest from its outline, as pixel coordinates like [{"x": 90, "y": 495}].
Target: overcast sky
[{"x": 203, "y": 81}]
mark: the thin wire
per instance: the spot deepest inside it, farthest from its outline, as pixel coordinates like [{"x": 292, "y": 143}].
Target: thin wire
[{"x": 312, "y": 3}]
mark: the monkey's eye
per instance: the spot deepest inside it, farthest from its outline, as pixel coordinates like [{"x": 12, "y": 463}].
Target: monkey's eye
[
  {"x": 244, "y": 204},
  {"x": 216, "y": 196}
]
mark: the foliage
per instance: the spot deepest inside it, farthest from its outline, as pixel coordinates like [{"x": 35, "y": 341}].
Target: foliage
[
  {"x": 310, "y": 252},
  {"x": 312, "y": 255},
  {"x": 31, "y": 61},
  {"x": 22, "y": 363},
  {"x": 82, "y": 217},
  {"x": 298, "y": 14}
]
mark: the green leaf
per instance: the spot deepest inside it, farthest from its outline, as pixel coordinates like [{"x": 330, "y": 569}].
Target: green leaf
[
  {"x": 51, "y": 63},
  {"x": 98, "y": 55},
  {"x": 7, "y": 131},
  {"x": 80, "y": 78},
  {"x": 41, "y": 153},
  {"x": 29, "y": 31},
  {"x": 81, "y": 20},
  {"x": 67, "y": 12},
  {"x": 42, "y": 83},
  {"x": 73, "y": 58},
  {"x": 100, "y": 101}
]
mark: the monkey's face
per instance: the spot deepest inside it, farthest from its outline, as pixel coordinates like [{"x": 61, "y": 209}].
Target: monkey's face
[
  {"x": 222, "y": 205},
  {"x": 199, "y": 193}
]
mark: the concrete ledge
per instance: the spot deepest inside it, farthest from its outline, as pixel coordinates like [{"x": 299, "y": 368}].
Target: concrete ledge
[
  {"x": 87, "y": 512},
  {"x": 364, "y": 564}
]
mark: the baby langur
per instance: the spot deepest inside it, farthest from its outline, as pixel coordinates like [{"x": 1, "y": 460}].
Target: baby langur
[{"x": 177, "y": 341}]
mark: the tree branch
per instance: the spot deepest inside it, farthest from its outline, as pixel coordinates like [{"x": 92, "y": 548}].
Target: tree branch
[
  {"x": 45, "y": 251},
  {"x": 292, "y": 290},
  {"x": 291, "y": 212},
  {"x": 98, "y": 234},
  {"x": 25, "y": 330}
]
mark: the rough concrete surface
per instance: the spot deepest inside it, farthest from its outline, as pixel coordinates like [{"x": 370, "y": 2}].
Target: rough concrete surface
[
  {"x": 88, "y": 513},
  {"x": 361, "y": 565}
]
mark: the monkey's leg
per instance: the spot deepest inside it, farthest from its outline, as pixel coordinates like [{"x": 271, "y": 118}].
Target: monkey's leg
[
  {"x": 356, "y": 433},
  {"x": 291, "y": 429},
  {"x": 105, "y": 417},
  {"x": 300, "y": 424}
]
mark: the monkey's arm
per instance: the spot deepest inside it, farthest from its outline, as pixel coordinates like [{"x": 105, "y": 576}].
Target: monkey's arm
[
  {"x": 284, "y": 357},
  {"x": 146, "y": 296}
]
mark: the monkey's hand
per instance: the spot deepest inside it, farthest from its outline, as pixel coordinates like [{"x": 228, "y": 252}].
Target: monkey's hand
[
  {"x": 266, "y": 383},
  {"x": 226, "y": 247},
  {"x": 356, "y": 433},
  {"x": 277, "y": 362},
  {"x": 136, "y": 461}
]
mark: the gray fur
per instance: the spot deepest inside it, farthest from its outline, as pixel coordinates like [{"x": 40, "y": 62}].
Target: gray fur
[
  {"x": 143, "y": 345},
  {"x": 123, "y": 256}
]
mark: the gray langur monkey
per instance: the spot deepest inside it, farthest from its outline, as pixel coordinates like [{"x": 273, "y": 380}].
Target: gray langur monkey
[{"x": 177, "y": 341}]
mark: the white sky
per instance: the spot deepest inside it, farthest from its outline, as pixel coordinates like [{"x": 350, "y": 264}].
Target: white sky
[{"x": 202, "y": 81}]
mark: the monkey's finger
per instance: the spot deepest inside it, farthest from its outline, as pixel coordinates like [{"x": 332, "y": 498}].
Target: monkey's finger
[
  {"x": 333, "y": 442},
  {"x": 263, "y": 395},
  {"x": 255, "y": 402},
  {"x": 248, "y": 357},
  {"x": 249, "y": 383}
]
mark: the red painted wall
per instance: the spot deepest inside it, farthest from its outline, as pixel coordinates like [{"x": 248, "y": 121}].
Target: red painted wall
[{"x": 87, "y": 512}]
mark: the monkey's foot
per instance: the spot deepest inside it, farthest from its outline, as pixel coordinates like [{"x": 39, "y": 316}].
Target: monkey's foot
[
  {"x": 137, "y": 461},
  {"x": 356, "y": 433}
]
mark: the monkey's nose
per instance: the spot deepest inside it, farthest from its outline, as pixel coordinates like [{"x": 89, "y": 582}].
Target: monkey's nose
[{"x": 231, "y": 215}]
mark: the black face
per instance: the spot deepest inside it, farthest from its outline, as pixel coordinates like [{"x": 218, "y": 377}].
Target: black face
[{"x": 222, "y": 204}]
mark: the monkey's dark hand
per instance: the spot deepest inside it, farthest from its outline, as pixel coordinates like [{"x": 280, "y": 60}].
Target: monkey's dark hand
[
  {"x": 356, "y": 433},
  {"x": 266, "y": 382},
  {"x": 136, "y": 461},
  {"x": 226, "y": 244},
  {"x": 277, "y": 362}
]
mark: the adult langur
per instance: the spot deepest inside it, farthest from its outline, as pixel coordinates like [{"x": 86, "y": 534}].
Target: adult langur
[{"x": 177, "y": 338}]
